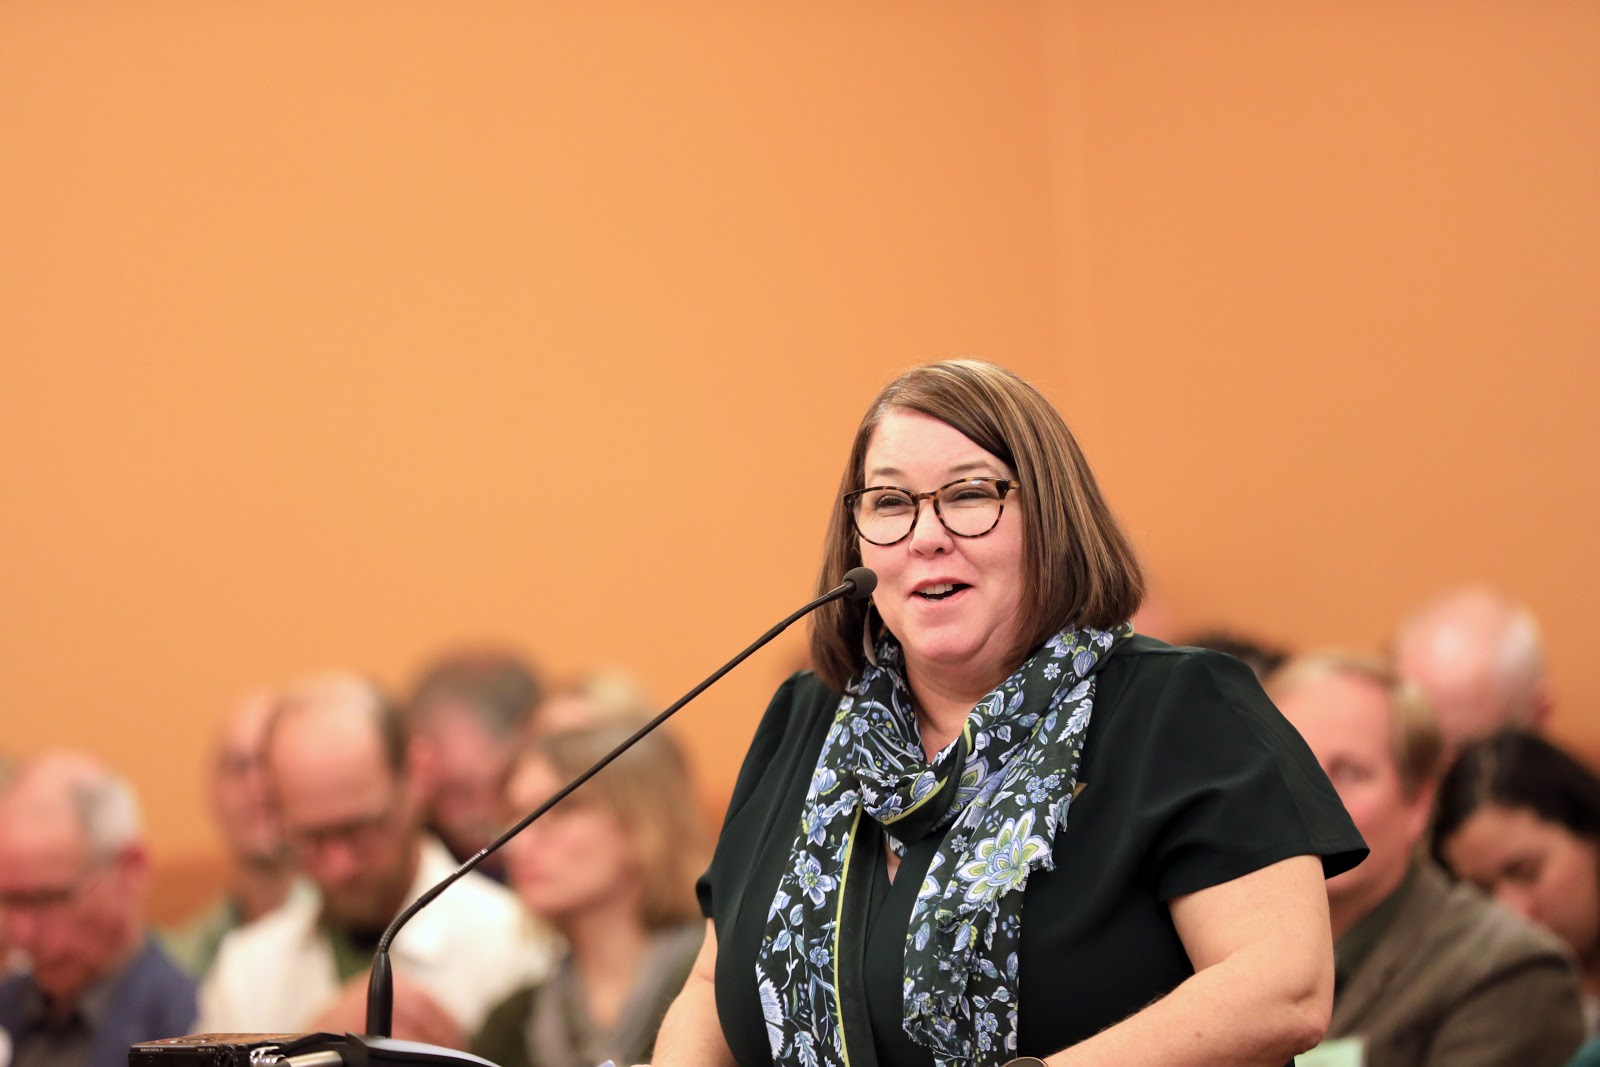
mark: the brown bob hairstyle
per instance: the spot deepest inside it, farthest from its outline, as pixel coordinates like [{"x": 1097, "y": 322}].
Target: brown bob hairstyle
[{"x": 1081, "y": 569}]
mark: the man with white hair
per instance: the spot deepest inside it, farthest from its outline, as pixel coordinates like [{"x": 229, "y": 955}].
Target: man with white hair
[
  {"x": 1479, "y": 660},
  {"x": 73, "y": 873}
]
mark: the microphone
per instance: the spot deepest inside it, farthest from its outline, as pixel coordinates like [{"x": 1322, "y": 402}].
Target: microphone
[{"x": 857, "y": 584}]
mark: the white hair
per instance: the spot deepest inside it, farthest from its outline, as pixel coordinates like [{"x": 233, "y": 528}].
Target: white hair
[
  {"x": 1521, "y": 661},
  {"x": 108, "y": 812},
  {"x": 1472, "y": 625},
  {"x": 100, "y": 802}
]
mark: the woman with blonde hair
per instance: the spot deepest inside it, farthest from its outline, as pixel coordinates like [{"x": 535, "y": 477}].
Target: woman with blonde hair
[{"x": 612, "y": 869}]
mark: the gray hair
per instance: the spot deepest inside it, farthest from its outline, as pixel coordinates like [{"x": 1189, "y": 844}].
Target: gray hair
[
  {"x": 108, "y": 812},
  {"x": 1476, "y": 625},
  {"x": 102, "y": 803}
]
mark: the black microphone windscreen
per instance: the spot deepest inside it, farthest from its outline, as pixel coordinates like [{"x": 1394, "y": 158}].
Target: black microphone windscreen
[{"x": 865, "y": 580}]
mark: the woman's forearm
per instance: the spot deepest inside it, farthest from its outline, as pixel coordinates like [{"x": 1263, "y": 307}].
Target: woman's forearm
[
  {"x": 691, "y": 1035},
  {"x": 1236, "y": 1012},
  {"x": 1262, "y": 990}
]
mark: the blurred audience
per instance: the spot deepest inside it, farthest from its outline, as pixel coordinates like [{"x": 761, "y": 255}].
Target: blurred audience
[
  {"x": 8, "y": 961},
  {"x": 1520, "y": 818},
  {"x": 260, "y": 872},
  {"x": 1479, "y": 659},
  {"x": 612, "y": 868},
  {"x": 349, "y": 798},
  {"x": 73, "y": 872},
  {"x": 337, "y": 811},
  {"x": 600, "y": 696},
  {"x": 1426, "y": 971},
  {"x": 1261, "y": 658},
  {"x": 1156, "y": 617},
  {"x": 467, "y": 716}
]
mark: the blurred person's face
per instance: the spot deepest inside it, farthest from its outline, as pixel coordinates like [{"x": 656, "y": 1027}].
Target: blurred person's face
[
  {"x": 565, "y": 711},
  {"x": 239, "y": 799},
  {"x": 1537, "y": 868},
  {"x": 1346, "y": 722},
  {"x": 579, "y": 857},
  {"x": 349, "y": 820},
  {"x": 72, "y": 914},
  {"x": 1458, "y": 679},
  {"x": 467, "y": 766}
]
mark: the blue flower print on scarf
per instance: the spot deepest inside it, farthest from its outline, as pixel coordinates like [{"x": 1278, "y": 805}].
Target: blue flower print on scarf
[
  {"x": 1011, "y": 775},
  {"x": 1000, "y": 863}
]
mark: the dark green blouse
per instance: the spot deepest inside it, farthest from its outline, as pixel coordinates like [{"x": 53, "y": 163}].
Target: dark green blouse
[{"x": 1190, "y": 778}]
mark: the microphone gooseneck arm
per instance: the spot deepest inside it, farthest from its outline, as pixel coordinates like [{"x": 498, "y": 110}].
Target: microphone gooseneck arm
[{"x": 857, "y": 585}]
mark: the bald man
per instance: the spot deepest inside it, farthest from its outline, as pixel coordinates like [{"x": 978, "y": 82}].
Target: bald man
[
  {"x": 73, "y": 872},
  {"x": 1479, "y": 660},
  {"x": 260, "y": 871},
  {"x": 349, "y": 801}
]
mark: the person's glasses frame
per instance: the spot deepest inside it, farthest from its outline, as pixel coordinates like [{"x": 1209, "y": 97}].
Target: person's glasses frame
[
  {"x": 1002, "y": 488},
  {"x": 359, "y": 833},
  {"x": 57, "y": 900}
]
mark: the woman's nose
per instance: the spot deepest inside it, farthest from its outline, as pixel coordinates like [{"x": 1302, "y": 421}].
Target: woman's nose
[{"x": 928, "y": 534}]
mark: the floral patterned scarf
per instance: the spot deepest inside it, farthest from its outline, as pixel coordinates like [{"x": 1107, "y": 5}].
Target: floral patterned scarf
[{"x": 999, "y": 793}]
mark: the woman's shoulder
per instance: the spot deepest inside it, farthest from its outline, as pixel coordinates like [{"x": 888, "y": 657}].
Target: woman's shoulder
[
  {"x": 1148, "y": 670},
  {"x": 802, "y": 708},
  {"x": 805, "y": 693},
  {"x": 1177, "y": 693},
  {"x": 1190, "y": 741},
  {"x": 789, "y": 735}
]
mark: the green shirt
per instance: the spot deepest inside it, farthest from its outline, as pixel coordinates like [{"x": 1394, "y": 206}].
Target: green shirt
[{"x": 352, "y": 949}]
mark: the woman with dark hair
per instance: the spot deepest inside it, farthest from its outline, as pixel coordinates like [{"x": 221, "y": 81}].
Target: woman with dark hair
[
  {"x": 1521, "y": 818},
  {"x": 898, "y": 881}
]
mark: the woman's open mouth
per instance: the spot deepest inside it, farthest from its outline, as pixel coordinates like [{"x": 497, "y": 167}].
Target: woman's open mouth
[{"x": 941, "y": 592}]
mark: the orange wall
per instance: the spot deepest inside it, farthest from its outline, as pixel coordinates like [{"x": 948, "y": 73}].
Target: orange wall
[
  {"x": 336, "y": 333},
  {"x": 333, "y": 335},
  {"x": 1342, "y": 266}
]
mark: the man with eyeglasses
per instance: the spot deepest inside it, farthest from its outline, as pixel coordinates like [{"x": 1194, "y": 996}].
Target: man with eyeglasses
[
  {"x": 260, "y": 872},
  {"x": 72, "y": 879},
  {"x": 349, "y": 797}
]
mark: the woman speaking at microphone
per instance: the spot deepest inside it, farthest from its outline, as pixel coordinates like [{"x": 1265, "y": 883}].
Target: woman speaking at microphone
[{"x": 995, "y": 824}]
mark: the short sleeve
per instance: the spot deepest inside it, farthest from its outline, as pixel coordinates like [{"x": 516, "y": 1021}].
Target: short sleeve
[
  {"x": 1226, "y": 784},
  {"x": 774, "y": 735}
]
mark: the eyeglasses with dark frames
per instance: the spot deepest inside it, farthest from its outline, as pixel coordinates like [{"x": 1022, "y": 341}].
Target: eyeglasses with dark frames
[{"x": 968, "y": 507}]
